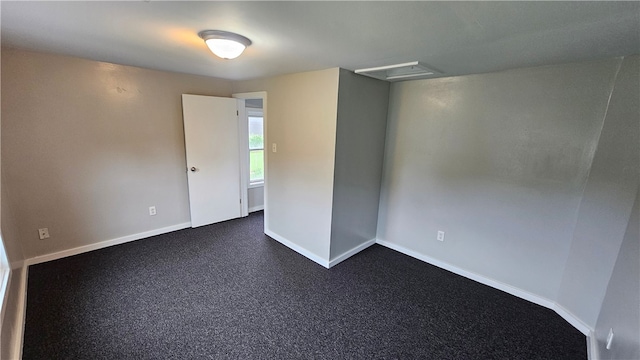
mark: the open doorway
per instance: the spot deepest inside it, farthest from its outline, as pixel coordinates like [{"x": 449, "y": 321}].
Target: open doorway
[
  {"x": 255, "y": 120},
  {"x": 255, "y": 158}
]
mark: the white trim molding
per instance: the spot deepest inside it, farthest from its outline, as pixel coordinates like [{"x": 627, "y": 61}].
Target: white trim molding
[
  {"x": 471, "y": 275},
  {"x": 297, "y": 248},
  {"x": 256, "y": 208},
  {"x": 572, "y": 319},
  {"x": 22, "y": 267},
  {"x": 243, "y": 149},
  {"x": 349, "y": 253},
  {"x": 523, "y": 294},
  {"x": 17, "y": 329},
  {"x": 315, "y": 258},
  {"x": 256, "y": 185},
  {"x": 104, "y": 244},
  {"x": 4, "y": 289},
  {"x": 592, "y": 347}
]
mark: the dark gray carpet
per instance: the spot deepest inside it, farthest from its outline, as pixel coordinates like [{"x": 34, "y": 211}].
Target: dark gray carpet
[{"x": 227, "y": 291}]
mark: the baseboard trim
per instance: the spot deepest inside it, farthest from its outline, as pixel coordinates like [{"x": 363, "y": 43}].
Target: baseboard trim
[
  {"x": 523, "y": 294},
  {"x": 297, "y": 248},
  {"x": 256, "y": 208},
  {"x": 349, "y": 253},
  {"x": 572, "y": 319},
  {"x": 471, "y": 275},
  {"x": 104, "y": 244},
  {"x": 592, "y": 347},
  {"x": 17, "y": 339}
]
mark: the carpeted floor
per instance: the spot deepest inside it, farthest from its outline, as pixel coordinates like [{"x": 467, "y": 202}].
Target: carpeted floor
[{"x": 227, "y": 291}]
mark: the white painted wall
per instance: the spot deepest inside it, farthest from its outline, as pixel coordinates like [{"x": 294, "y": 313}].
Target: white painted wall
[
  {"x": 621, "y": 307},
  {"x": 361, "y": 127},
  {"x": 499, "y": 162},
  {"x": 301, "y": 120},
  {"x": 607, "y": 200}
]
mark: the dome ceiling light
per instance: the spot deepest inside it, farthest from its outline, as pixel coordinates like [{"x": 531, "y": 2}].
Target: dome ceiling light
[{"x": 224, "y": 44}]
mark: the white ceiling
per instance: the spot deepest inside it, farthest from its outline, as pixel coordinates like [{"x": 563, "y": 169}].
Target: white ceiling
[{"x": 453, "y": 37}]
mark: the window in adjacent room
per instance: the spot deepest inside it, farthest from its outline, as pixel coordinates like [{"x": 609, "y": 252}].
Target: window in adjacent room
[{"x": 256, "y": 147}]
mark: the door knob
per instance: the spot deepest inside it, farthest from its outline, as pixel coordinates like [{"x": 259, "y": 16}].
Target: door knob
[{"x": 193, "y": 169}]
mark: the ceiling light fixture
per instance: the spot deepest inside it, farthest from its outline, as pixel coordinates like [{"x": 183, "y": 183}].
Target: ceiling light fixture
[{"x": 224, "y": 44}]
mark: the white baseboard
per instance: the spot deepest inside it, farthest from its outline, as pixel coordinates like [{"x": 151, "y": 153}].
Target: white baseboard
[
  {"x": 16, "y": 346},
  {"x": 349, "y": 253},
  {"x": 572, "y": 319},
  {"x": 473, "y": 276},
  {"x": 17, "y": 329},
  {"x": 104, "y": 244},
  {"x": 256, "y": 208},
  {"x": 523, "y": 294},
  {"x": 297, "y": 248},
  {"x": 592, "y": 347}
]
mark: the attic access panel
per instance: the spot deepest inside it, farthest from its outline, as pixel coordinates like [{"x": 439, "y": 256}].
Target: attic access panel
[{"x": 398, "y": 72}]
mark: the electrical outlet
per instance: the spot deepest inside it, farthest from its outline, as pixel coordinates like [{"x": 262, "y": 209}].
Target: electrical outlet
[
  {"x": 609, "y": 339},
  {"x": 440, "y": 235},
  {"x": 43, "y": 233},
  {"x": 152, "y": 210}
]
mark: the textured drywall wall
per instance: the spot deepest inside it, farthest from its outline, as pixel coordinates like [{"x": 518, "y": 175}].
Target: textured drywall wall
[
  {"x": 10, "y": 236},
  {"x": 11, "y": 316},
  {"x": 88, "y": 146},
  {"x": 361, "y": 128},
  {"x": 498, "y": 161},
  {"x": 621, "y": 306},
  {"x": 607, "y": 200},
  {"x": 301, "y": 120}
]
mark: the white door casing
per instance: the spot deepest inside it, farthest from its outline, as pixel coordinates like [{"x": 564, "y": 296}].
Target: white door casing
[
  {"x": 213, "y": 157},
  {"x": 245, "y": 150}
]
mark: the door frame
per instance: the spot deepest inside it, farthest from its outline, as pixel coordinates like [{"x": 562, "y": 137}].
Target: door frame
[{"x": 244, "y": 151}]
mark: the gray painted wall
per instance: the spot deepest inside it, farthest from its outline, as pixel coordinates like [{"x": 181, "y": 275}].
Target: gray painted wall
[
  {"x": 313, "y": 132},
  {"x": 607, "y": 200},
  {"x": 12, "y": 246},
  {"x": 11, "y": 317},
  {"x": 10, "y": 235},
  {"x": 301, "y": 120},
  {"x": 256, "y": 198},
  {"x": 12, "y": 320},
  {"x": 87, "y": 147},
  {"x": 361, "y": 127},
  {"x": 498, "y": 161},
  {"x": 621, "y": 306}
]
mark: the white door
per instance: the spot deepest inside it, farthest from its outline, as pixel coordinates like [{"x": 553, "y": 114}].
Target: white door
[{"x": 213, "y": 158}]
